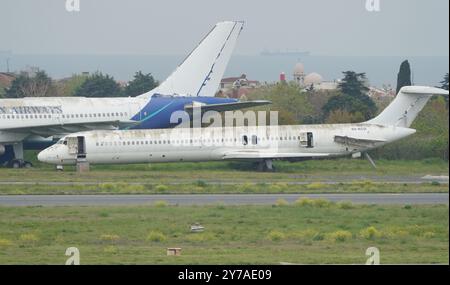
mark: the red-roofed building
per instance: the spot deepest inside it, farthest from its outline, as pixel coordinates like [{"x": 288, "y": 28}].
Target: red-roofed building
[{"x": 237, "y": 87}]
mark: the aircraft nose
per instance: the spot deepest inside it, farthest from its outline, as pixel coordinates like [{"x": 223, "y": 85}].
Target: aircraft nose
[{"x": 42, "y": 156}]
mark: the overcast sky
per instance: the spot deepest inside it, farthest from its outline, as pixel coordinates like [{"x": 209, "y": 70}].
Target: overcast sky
[{"x": 325, "y": 27}]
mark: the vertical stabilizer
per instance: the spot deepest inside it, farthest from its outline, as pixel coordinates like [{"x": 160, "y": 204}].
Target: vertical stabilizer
[
  {"x": 202, "y": 70},
  {"x": 406, "y": 106}
]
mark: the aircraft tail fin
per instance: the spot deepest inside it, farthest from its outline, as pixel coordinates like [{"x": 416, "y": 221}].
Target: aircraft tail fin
[
  {"x": 202, "y": 70},
  {"x": 406, "y": 106}
]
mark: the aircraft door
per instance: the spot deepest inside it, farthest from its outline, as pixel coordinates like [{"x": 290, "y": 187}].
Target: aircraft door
[
  {"x": 77, "y": 146},
  {"x": 307, "y": 140},
  {"x": 72, "y": 144},
  {"x": 81, "y": 143}
]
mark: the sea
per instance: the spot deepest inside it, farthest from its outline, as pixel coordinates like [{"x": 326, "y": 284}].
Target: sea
[{"x": 381, "y": 71}]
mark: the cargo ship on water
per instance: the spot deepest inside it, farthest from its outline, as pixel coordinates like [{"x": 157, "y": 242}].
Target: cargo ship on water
[{"x": 294, "y": 53}]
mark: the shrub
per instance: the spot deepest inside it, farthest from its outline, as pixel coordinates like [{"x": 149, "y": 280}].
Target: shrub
[
  {"x": 107, "y": 187},
  {"x": 304, "y": 202},
  {"x": 370, "y": 233},
  {"x": 247, "y": 188},
  {"x": 29, "y": 238},
  {"x": 161, "y": 188},
  {"x": 161, "y": 204},
  {"x": 281, "y": 203},
  {"x": 318, "y": 237},
  {"x": 341, "y": 236},
  {"x": 275, "y": 188},
  {"x": 345, "y": 205},
  {"x": 5, "y": 242},
  {"x": 156, "y": 236},
  {"x": 201, "y": 183},
  {"x": 132, "y": 189},
  {"x": 109, "y": 238},
  {"x": 319, "y": 203},
  {"x": 276, "y": 236},
  {"x": 315, "y": 186}
]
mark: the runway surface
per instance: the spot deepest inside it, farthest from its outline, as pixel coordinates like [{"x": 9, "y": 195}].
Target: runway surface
[{"x": 227, "y": 199}]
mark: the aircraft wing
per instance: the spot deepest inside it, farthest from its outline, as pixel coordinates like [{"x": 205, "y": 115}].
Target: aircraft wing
[
  {"x": 226, "y": 106},
  {"x": 256, "y": 155},
  {"x": 357, "y": 141},
  {"x": 64, "y": 129}
]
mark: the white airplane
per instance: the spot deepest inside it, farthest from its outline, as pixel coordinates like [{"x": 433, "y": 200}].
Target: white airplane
[
  {"x": 260, "y": 144},
  {"x": 193, "y": 83}
]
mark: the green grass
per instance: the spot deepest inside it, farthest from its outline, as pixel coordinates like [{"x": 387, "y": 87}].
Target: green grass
[
  {"x": 226, "y": 177},
  {"x": 230, "y": 171},
  {"x": 302, "y": 233},
  {"x": 246, "y": 188}
]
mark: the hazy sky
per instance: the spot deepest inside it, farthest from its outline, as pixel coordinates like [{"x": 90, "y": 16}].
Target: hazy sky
[{"x": 329, "y": 27}]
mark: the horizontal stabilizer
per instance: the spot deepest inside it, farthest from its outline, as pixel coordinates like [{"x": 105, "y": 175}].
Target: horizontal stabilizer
[{"x": 223, "y": 107}]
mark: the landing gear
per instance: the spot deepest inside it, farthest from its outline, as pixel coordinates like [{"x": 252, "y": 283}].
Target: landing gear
[
  {"x": 19, "y": 163},
  {"x": 266, "y": 165},
  {"x": 18, "y": 160}
]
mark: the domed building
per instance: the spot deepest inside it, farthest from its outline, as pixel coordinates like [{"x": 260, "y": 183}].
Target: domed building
[
  {"x": 313, "y": 79},
  {"x": 299, "y": 73}
]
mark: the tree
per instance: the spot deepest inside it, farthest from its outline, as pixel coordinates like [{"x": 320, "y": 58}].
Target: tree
[
  {"x": 444, "y": 83},
  {"x": 39, "y": 85},
  {"x": 99, "y": 85},
  {"x": 140, "y": 84},
  {"x": 288, "y": 99},
  {"x": 353, "y": 97},
  {"x": 353, "y": 84},
  {"x": 341, "y": 117},
  {"x": 404, "y": 76},
  {"x": 68, "y": 87}
]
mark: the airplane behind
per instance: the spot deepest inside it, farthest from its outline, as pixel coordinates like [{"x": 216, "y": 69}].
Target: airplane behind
[
  {"x": 194, "y": 82},
  {"x": 259, "y": 144}
]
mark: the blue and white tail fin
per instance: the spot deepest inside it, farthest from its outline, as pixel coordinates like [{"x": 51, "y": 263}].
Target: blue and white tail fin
[
  {"x": 406, "y": 106},
  {"x": 202, "y": 70}
]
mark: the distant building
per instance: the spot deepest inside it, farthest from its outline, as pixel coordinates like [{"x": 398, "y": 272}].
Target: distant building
[
  {"x": 312, "y": 80},
  {"x": 377, "y": 93},
  {"x": 232, "y": 82},
  {"x": 6, "y": 79},
  {"x": 299, "y": 74},
  {"x": 237, "y": 87}
]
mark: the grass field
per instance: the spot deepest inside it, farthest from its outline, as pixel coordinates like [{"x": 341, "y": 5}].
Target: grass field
[
  {"x": 222, "y": 177},
  {"x": 306, "y": 232},
  {"x": 201, "y": 187}
]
